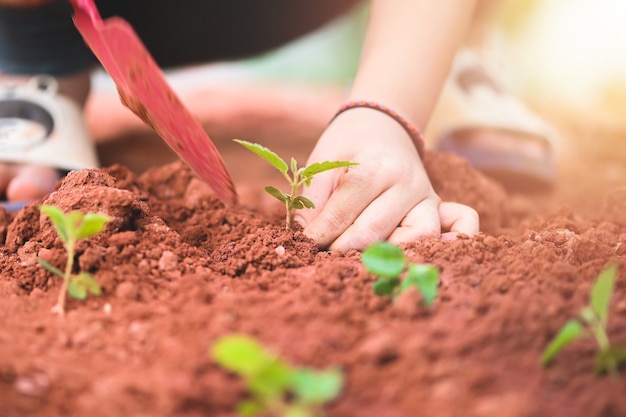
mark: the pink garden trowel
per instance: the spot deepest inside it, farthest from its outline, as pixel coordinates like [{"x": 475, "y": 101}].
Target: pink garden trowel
[{"x": 144, "y": 90}]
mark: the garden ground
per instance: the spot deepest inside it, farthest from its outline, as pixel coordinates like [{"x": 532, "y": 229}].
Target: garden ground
[{"x": 178, "y": 270}]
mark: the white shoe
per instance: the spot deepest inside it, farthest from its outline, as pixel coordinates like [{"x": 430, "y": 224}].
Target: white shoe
[{"x": 40, "y": 127}]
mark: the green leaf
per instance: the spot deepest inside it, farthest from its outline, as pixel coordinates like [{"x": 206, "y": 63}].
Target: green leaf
[
  {"x": 77, "y": 291},
  {"x": 385, "y": 286},
  {"x": 609, "y": 360},
  {"x": 58, "y": 220},
  {"x": 589, "y": 315},
  {"x": 317, "y": 387},
  {"x": 249, "y": 408},
  {"x": 47, "y": 265},
  {"x": 297, "y": 204},
  {"x": 317, "y": 167},
  {"x": 299, "y": 410},
  {"x": 73, "y": 220},
  {"x": 384, "y": 259},
  {"x": 601, "y": 293},
  {"x": 266, "y": 154},
  {"x": 91, "y": 224},
  {"x": 87, "y": 280},
  {"x": 571, "y": 331},
  {"x": 304, "y": 202},
  {"x": 241, "y": 354},
  {"x": 425, "y": 278},
  {"x": 272, "y": 381},
  {"x": 82, "y": 284},
  {"x": 294, "y": 165},
  {"x": 275, "y": 192}
]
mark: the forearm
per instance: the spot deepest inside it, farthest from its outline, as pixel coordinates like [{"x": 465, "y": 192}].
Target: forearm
[{"x": 408, "y": 51}]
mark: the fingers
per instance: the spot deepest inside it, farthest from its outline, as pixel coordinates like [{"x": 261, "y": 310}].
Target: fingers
[
  {"x": 6, "y": 173},
  {"x": 422, "y": 221},
  {"x": 458, "y": 218},
  {"x": 319, "y": 192},
  {"x": 30, "y": 182},
  {"x": 341, "y": 209},
  {"x": 380, "y": 218},
  {"x": 428, "y": 219}
]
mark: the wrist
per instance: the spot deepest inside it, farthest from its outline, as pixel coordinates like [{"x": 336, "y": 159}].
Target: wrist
[{"x": 410, "y": 129}]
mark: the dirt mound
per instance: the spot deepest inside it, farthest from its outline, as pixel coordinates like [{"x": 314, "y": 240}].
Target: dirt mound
[{"x": 178, "y": 270}]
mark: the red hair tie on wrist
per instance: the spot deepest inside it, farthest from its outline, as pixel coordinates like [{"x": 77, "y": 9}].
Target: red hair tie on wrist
[{"x": 415, "y": 134}]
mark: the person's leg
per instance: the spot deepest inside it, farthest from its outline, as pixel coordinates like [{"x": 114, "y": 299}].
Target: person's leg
[{"x": 481, "y": 121}]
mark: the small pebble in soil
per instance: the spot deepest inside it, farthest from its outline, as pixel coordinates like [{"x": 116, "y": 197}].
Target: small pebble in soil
[
  {"x": 34, "y": 385},
  {"x": 127, "y": 291},
  {"x": 168, "y": 261},
  {"x": 381, "y": 348}
]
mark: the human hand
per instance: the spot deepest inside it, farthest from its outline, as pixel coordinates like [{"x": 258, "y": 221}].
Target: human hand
[{"x": 388, "y": 196}]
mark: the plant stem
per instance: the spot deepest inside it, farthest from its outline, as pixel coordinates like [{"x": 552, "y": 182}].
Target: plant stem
[
  {"x": 600, "y": 335},
  {"x": 59, "y": 308},
  {"x": 288, "y": 217}
]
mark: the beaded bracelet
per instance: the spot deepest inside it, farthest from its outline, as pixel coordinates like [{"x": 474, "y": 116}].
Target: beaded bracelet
[{"x": 415, "y": 135}]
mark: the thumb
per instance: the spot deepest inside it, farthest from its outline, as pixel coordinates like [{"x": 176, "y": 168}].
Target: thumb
[{"x": 318, "y": 192}]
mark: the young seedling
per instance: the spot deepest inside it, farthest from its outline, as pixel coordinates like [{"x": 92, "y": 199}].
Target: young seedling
[
  {"x": 275, "y": 387},
  {"x": 71, "y": 228},
  {"x": 296, "y": 178},
  {"x": 388, "y": 262},
  {"x": 592, "y": 322}
]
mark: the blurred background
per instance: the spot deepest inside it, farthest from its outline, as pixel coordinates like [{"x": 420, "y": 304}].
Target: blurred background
[
  {"x": 566, "y": 54},
  {"x": 566, "y": 59}
]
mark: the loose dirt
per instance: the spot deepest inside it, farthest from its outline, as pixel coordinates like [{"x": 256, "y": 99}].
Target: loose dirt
[{"x": 178, "y": 270}]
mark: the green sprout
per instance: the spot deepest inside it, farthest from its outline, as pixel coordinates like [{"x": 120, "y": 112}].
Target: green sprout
[
  {"x": 274, "y": 386},
  {"x": 297, "y": 178},
  {"x": 71, "y": 228},
  {"x": 388, "y": 262},
  {"x": 592, "y": 322}
]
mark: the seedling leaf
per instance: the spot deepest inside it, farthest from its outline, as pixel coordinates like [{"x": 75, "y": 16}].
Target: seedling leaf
[
  {"x": 266, "y": 154},
  {"x": 249, "y": 408},
  {"x": 571, "y": 331},
  {"x": 601, "y": 293},
  {"x": 317, "y": 167},
  {"x": 274, "y": 386},
  {"x": 275, "y": 192},
  {"x": 242, "y": 355},
  {"x": 298, "y": 411},
  {"x": 385, "y": 286},
  {"x": 317, "y": 387},
  {"x": 58, "y": 220},
  {"x": 272, "y": 380},
  {"x": 92, "y": 224},
  {"x": 47, "y": 265},
  {"x": 384, "y": 259},
  {"x": 425, "y": 278},
  {"x": 81, "y": 285},
  {"x": 303, "y": 202},
  {"x": 77, "y": 291}
]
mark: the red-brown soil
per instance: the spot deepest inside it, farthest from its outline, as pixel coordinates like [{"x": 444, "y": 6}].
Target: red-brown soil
[{"x": 178, "y": 270}]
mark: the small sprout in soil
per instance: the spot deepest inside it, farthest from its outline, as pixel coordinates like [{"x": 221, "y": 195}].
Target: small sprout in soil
[
  {"x": 298, "y": 178},
  {"x": 592, "y": 322},
  {"x": 71, "y": 228},
  {"x": 275, "y": 387},
  {"x": 388, "y": 262}
]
